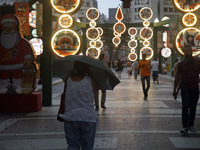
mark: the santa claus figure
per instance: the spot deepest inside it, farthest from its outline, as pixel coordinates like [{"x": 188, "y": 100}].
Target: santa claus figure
[{"x": 16, "y": 57}]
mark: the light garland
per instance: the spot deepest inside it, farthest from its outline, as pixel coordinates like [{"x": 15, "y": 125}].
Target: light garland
[
  {"x": 94, "y": 33},
  {"x": 119, "y": 27},
  {"x": 132, "y": 44},
  {"x": 189, "y": 35},
  {"x": 146, "y": 33},
  {"x": 66, "y": 41}
]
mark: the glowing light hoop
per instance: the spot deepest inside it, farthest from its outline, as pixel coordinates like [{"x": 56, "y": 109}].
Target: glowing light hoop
[
  {"x": 146, "y": 13},
  {"x": 132, "y": 44},
  {"x": 93, "y": 54},
  {"x": 143, "y": 33},
  {"x": 92, "y": 34},
  {"x": 132, "y": 31},
  {"x": 131, "y": 55},
  {"x": 189, "y": 22},
  {"x": 178, "y": 5},
  {"x": 148, "y": 56},
  {"x": 116, "y": 41},
  {"x": 65, "y": 21},
  {"x": 179, "y": 45},
  {"x": 73, "y": 9},
  {"x": 92, "y": 14},
  {"x": 65, "y": 31}
]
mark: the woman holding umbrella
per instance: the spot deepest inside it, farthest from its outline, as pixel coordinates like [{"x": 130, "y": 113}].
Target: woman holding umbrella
[{"x": 77, "y": 108}]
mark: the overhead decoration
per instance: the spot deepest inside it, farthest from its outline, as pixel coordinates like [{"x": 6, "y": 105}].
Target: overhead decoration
[
  {"x": 146, "y": 33},
  {"x": 132, "y": 44},
  {"x": 189, "y": 35},
  {"x": 66, "y": 41},
  {"x": 22, "y": 11},
  {"x": 119, "y": 27},
  {"x": 94, "y": 33}
]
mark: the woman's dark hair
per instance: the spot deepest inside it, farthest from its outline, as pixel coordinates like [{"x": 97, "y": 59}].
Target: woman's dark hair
[{"x": 80, "y": 68}]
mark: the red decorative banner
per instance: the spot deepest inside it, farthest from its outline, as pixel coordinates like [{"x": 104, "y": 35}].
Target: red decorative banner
[{"x": 22, "y": 12}]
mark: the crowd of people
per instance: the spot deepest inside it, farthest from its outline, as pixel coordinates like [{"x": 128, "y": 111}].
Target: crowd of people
[{"x": 80, "y": 117}]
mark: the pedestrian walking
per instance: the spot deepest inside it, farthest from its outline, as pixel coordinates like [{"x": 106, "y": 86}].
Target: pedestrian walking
[
  {"x": 77, "y": 108},
  {"x": 119, "y": 68},
  {"x": 155, "y": 69},
  {"x": 145, "y": 67},
  {"x": 186, "y": 79},
  {"x": 103, "y": 90},
  {"x": 129, "y": 68},
  {"x": 135, "y": 69}
]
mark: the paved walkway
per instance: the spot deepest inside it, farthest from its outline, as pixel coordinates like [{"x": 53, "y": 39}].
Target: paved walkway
[{"x": 128, "y": 123}]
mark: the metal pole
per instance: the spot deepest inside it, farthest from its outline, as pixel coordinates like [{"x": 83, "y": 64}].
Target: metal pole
[{"x": 46, "y": 59}]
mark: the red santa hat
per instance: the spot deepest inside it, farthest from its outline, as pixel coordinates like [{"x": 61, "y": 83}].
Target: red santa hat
[{"x": 9, "y": 18}]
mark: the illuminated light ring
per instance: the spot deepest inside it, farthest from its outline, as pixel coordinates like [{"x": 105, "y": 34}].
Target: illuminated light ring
[
  {"x": 179, "y": 41},
  {"x": 166, "y": 52},
  {"x": 132, "y": 44},
  {"x": 119, "y": 28},
  {"x": 146, "y": 33},
  {"x": 189, "y": 19},
  {"x": 146, "y": 13},
  {"x": 116, "y": 41},
  {"x": 190, "y": 8},
  {"x": 148, "y": 51},
  {"x": 93, "y": 52},
  {"x": 146, "y": 23},
  {"x": 92, "y": 43},
  {"x": 92, "y": 24},
  {"x": 146, "y": 43},
  {"x": 132, "y": 37},
  {"x": 99, "y": 44},
  {"x": 92, "y": 34},
  {"x": 100, "y": 31},
  {"x": 74, "y": 6},
  {"x": 92, "y": 14},
  {"x": 132, "y": 31},
  {"x": 116, "y": 34},
  {"x": 132, "y": 50},
  {"x": 65, "y": 21},
  {"x": 61, "y": 52},
  {"x": 132, "y": 56},
  {"x": 37, "y": 44}
]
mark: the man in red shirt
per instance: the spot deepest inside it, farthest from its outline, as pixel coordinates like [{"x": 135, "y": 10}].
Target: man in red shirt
[
  {"x": 187, "y": 78},
  {"x": 145, "y": 69}
]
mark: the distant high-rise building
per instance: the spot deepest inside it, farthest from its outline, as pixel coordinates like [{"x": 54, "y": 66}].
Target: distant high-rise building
[
  {"x": 86, "y": 4},
  {"x": 160, "y": 8}
]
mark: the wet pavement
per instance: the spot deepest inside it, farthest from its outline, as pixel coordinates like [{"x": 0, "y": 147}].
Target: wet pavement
[{"x": 128, "y": 123}]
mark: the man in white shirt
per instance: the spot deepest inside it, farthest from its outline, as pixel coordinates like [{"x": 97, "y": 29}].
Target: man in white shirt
[{"x": 155, "y": 69}]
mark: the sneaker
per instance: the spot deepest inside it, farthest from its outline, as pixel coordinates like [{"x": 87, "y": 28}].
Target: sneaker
[
  {"x": 97, "y": 108},
  {"x": 145, "y": 98},
  {"x": 192, "y": 129},
  {"x": 184, "y": 131},
  {"x": 103, "y": 106}
]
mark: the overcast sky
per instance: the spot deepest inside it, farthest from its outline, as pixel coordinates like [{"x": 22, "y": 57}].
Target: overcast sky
[{"x": 103, "y": 5}]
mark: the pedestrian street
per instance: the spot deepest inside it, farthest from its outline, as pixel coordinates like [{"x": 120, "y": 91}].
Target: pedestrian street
[{"x": 128, "y": 123}]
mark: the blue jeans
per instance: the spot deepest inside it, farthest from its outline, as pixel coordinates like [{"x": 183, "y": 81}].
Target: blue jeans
[
  {"x": 190, "y": 98},
  {"x": 80, "y": 134},
  {"x": 145, "y": 89}
]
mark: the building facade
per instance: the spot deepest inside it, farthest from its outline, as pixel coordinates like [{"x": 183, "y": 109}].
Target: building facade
[
  {"x": 86, "y": 4},
  {"x": 160, "y": 8}
]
